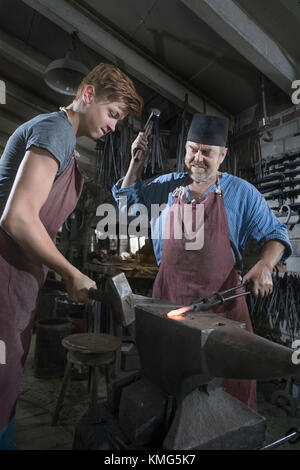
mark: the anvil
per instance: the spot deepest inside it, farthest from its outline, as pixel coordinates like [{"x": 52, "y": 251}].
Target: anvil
[
  {"x": 181, "y": 354},
  {"x": 176, "y": 403}
]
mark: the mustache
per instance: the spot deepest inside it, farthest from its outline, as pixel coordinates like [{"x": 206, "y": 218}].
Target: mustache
[{"x": 199, "y": 165}]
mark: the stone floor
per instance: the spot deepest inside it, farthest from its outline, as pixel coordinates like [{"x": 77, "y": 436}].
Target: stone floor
[
  {"x": 36, "y": 404},
  {"x": 38, "y": 397}
]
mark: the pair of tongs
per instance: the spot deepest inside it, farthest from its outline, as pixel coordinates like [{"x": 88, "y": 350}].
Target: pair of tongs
[{"x": 216, "y": 298}]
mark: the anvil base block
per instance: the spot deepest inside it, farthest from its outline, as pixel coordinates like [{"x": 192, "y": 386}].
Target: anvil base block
[
  {"x": 215, "y": 421},
  {"x": 210, "y": 421}
]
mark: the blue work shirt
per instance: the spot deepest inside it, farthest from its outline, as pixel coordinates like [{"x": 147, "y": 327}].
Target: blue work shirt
[{"x": 249, "y": 216}]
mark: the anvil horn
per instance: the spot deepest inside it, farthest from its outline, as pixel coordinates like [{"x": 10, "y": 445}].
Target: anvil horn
[{"x": 236, "y": 353}]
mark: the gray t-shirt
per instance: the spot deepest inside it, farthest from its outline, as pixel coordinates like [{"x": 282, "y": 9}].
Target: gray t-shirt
[{"x": 52, "y": 132}]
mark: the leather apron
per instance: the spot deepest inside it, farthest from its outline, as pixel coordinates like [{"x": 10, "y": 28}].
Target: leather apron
[
  {"x": 185, "y": 275},
  {"x": 21, "y": 278}
]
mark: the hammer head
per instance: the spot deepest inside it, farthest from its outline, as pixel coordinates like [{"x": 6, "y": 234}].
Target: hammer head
[
  {"x": 124, "y": 301},
  {"x": 155, "y": 113},
  {"x": 121, "y": 300}
]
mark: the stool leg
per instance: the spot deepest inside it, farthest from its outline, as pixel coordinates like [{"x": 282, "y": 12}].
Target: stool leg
[
  {"x": 107, "y": 375},
  {"x": 109, "y": 370},
  {"x": 89, "y": 378},
  {"x": 94, "y": 391},
  {"x": 61, "y": 396}
]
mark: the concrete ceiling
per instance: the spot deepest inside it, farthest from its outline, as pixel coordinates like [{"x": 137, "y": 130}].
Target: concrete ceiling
[
  {"x": 212, "y": 50},
  {"x": 281, "y": 21}
]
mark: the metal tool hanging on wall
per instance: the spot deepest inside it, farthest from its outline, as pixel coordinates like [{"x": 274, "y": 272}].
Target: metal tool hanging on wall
[
  {"x": 280, "y": 186},
  {"x": 265, "y": 124},
  {"x": 113, "y": 152},
  {"x": 277, "y": 315},
  {"x": 183, "y": 127}
]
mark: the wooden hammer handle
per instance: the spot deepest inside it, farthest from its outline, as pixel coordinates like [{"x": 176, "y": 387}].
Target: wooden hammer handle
[
  {"x": 94, "y": 294},
  {"x": 147, "y": 131},
  {"x": 100, "y": 295}
]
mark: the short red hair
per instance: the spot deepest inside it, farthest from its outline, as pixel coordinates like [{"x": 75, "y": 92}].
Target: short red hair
[{"x": 112, "y": 85}]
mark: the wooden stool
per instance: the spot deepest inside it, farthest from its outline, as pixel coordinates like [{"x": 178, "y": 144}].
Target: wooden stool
[{"x": 88, "y": 349}]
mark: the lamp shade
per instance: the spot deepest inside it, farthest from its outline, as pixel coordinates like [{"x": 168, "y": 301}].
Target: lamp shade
[{"x": 64, "y": 75}]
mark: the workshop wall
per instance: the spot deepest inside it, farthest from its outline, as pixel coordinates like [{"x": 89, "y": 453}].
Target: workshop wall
[
  {"x": 270, "y": 158},
  {"x": 286, "y": 133},
  {"x": 284, "y": 126}
]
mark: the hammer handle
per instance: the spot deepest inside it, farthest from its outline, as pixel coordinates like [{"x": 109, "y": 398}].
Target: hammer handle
[
  {"x": 94, "y": 294},
  {"x": 100, "y": 295},
  {"x": 147, "y": 131}
]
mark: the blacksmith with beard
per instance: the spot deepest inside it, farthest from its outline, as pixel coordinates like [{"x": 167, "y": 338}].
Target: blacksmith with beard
[{"x": 234, "y": 213}]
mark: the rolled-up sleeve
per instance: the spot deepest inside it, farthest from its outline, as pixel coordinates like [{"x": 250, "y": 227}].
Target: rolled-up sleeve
[
  {"x": 156, "y": 196},
  {"x": 262, "y": 224},
  {"x": 133, "y": 192}
]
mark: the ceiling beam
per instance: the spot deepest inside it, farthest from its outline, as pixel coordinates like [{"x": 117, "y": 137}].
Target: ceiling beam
[
  {"x": 242, "y": 33},
  {"x": 27, "y": 98},
  {"x": 70, "y": 16},
  {"x": 8, "y": 122},
  {"x": 21, "y": 54}
]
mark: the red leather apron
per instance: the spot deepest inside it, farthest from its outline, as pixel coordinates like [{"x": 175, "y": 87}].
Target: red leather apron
[
  {"x": 21, "y": 277},
  {"x": 186, "y": 275}
]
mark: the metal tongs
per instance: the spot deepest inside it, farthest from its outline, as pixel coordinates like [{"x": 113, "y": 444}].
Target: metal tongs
[{"x": 216, "y": 298}]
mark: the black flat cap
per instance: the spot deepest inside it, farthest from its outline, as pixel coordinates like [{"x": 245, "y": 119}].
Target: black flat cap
[{"x": 209, "y": 130}]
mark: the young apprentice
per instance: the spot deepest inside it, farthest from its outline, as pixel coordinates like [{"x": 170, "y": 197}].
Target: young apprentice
[{"x": 40, "y": 184}]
